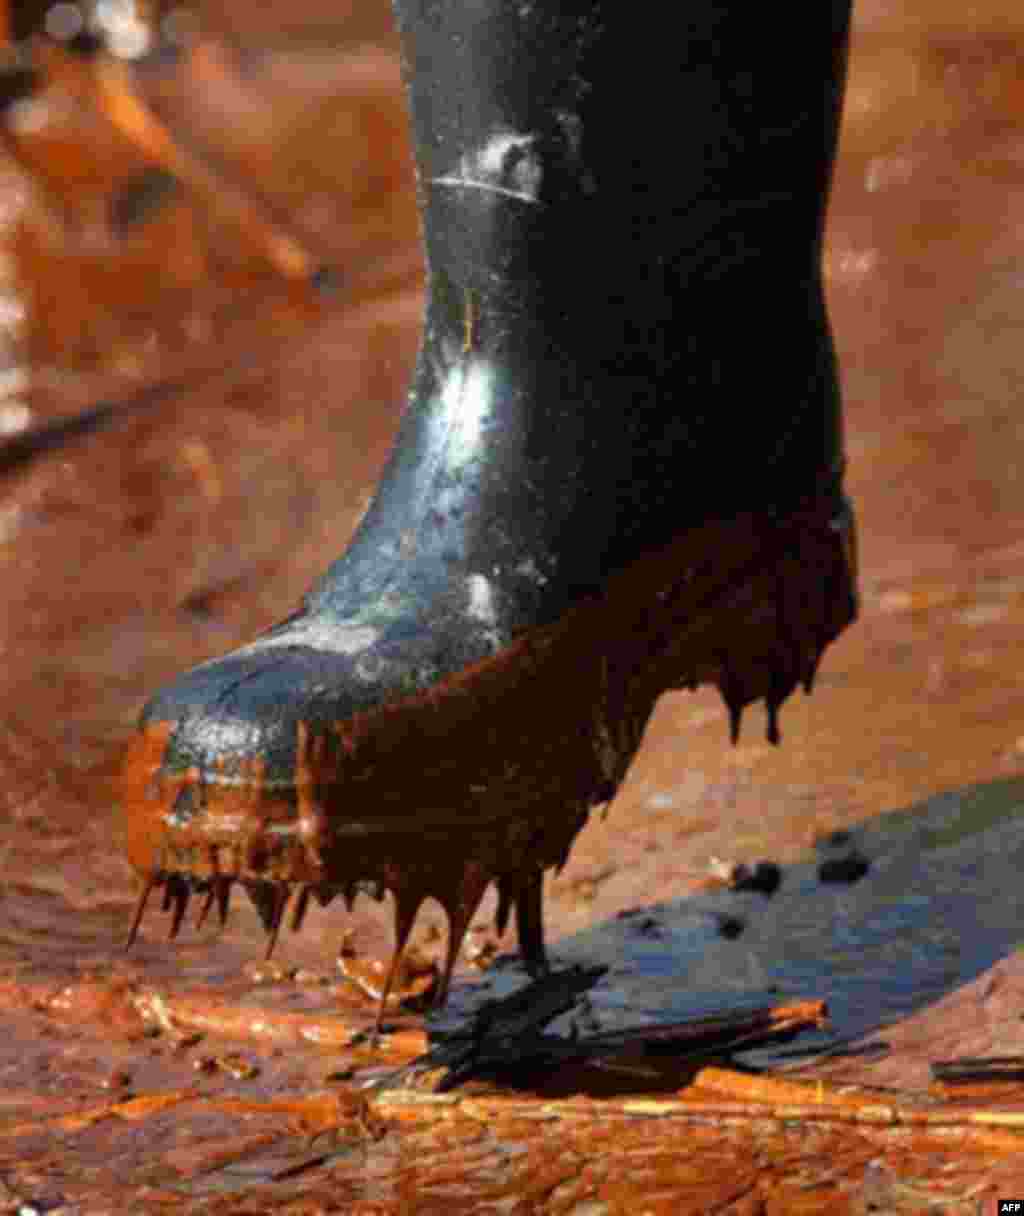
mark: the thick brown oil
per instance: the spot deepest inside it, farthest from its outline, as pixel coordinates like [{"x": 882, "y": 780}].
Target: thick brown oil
[{"x": 160, "y": 534}]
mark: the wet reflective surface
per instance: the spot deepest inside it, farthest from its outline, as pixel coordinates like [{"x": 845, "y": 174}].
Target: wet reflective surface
[
  {"x": 176, "y": 526},
  {"x": 938, "y": 902}
]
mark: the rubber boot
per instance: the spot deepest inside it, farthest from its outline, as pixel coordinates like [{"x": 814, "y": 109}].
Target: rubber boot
[{"x": 619, "y": 472}]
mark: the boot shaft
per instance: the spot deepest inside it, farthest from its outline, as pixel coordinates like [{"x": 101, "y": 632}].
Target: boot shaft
[
  {"x": 626, "y": 331},
  {"x": 608, "y": 171}
]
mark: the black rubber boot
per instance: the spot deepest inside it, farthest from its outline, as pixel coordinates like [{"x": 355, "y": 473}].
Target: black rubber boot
[{"x": 618, "y": 472}]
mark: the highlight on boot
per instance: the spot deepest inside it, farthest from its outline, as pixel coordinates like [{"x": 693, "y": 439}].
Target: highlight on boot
[{"x": 619, "y": 471}]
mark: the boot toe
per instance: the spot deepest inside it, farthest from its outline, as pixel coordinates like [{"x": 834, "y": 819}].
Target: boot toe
[
  {"x": 305, "y": 677},
  {"x": 245, "y": 708},
  {"x": 234, "y": 760}
]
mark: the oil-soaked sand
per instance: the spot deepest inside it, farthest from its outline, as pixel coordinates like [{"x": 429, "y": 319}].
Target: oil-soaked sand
[{"x": 179, "y": 525}]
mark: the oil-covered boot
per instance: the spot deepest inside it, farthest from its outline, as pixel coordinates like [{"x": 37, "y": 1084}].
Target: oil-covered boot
[{"x": 619, "y": 472}]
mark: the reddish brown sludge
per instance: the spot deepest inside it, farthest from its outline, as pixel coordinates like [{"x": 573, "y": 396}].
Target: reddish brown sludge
[{"x": 501, "y": 762}]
